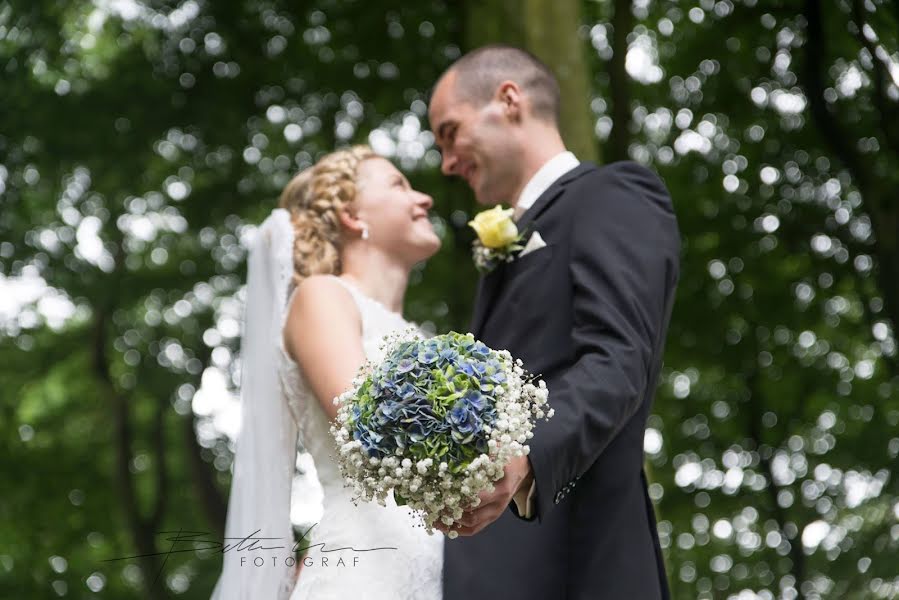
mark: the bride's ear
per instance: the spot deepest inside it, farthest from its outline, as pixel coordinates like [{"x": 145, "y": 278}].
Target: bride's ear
[{"x": 351, "y": 223}]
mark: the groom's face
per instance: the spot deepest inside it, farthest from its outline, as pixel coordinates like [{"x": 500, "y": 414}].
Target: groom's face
[{"x": 477, "y": 143}]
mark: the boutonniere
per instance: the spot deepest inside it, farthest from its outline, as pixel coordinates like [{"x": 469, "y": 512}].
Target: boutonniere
[{"x": 498, "y": 238}]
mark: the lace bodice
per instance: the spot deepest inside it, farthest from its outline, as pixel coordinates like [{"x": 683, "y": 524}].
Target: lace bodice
[{"x": 412, "y": 569}]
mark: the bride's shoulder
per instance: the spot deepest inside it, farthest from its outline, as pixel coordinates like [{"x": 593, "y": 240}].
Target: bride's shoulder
[
  {"x": 322, "y": 293},
  {"x": 320, "y": 306}
]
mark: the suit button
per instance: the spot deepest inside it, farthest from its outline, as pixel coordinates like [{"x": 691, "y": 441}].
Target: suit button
[{"x": 559, "y": 497}]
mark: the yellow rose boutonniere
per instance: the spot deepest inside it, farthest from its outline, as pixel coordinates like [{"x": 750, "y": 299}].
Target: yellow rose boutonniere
[
  {"x": 498, "y": 238},
  {"x": 495, "y": 227}
]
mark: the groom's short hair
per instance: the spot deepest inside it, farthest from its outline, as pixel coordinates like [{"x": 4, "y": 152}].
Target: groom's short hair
[{"x": 481, "y": 71}]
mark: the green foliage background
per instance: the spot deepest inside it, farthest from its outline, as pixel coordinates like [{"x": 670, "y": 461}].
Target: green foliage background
[{"x": 166, "y": 130}]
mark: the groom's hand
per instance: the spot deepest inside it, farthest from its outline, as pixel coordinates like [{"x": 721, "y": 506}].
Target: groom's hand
[{"x": 493, "y": 504}]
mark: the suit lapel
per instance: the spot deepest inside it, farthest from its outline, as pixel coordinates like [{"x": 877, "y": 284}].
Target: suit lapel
[
  {"x": 490, "y": 284},
  {"x": 487, "y": 288},
  {"x": 551, "y": 193}
]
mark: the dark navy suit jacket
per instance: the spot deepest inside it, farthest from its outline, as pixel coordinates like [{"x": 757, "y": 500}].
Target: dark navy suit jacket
[{"x": 588, "y": 313}]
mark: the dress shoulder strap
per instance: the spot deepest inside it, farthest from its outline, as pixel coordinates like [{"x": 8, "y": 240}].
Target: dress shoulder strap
[
  {"x": 368, "y": 306},
  {"x": 357, "y": 295}
]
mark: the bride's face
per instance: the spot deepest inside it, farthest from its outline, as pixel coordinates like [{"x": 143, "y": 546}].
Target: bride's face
[{"x": 396, "y": 214}]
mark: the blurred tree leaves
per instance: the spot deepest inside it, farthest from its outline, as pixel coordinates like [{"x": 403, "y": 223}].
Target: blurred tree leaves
[{"x": 141, "y": 142}]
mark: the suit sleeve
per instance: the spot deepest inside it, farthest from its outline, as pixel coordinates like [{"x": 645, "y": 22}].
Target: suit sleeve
[{"x": 624, "y": 256}]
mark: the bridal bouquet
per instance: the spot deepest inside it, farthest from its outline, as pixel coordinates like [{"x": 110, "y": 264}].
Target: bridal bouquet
[{"x": 435, "y": 423}]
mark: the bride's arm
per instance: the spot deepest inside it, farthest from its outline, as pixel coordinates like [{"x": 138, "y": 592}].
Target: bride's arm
[{"x": 323, "y": 334}]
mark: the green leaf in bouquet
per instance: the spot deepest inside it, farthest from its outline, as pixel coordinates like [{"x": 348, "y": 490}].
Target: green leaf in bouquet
[
  {"x": 418, "y": 451},
  {"x": 462, "y": 382},
  {"x": 438, "y": 377},
  {"x": 400, "y": 500},
  {"x": 463, "y": 456},
  {"x": 364, "y": 397},
  {"x": 441, "y": 404},
  {"x": 437, "y": 447},
  {"x": 450, "y": 399}
]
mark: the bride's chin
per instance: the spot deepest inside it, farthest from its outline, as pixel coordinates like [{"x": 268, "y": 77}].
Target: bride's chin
[{"x": 425, "y": 250}]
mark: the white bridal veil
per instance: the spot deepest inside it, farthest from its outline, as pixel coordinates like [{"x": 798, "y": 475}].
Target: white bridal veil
[{"x": 266, "y": 447}]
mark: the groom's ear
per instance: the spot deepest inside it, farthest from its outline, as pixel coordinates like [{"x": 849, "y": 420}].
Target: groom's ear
[{"x": 510, "y": 96}]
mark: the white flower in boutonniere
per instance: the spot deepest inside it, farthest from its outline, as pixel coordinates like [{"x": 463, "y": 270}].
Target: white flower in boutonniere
[{"x": 498, "y": 238}]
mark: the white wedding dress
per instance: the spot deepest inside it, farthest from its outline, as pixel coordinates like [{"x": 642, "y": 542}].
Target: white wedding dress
[
  {"x": 411, "y": 571},
  {"x": 277, "y": 410}
]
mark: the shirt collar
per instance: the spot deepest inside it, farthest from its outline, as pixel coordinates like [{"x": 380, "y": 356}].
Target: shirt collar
[{"x": 544, "y": 177}]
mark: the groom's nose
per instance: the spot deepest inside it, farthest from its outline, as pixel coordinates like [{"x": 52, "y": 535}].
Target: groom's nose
[{"x": 449, "y": 163}]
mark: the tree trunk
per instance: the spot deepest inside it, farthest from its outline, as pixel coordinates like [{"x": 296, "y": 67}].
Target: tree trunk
[
  {"x": 213, "y": 504},
  {"x": 141, "y": 528},
  {"x": 549, "y": 30},
  {"x": 619, "y": 82},
  {"x": 875, "y": 189}
]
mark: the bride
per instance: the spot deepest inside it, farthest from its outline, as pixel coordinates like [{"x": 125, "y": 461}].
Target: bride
[{"x": 326, "y": 279}]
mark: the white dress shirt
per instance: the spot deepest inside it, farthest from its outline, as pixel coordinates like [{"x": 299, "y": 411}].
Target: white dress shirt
[{"x": 544, "y": 177}]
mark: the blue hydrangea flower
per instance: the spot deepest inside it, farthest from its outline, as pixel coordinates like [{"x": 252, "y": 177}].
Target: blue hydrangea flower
[
  {"x": 406, "y": 391},
  {"x": 424, "y": 426},
  {"x": 475, "y": 400},
  {"x": 498, "y": 378},
  {"x": 465, "y": 341},
  {"x": 449, "y": 354},
  {"x": 405, "y": 365},
  {"x": 467, "y": 367},
  {"x": 371, "y": 441},
  {"x": 402, "y": 387},
  {"x": 464, "y": 423},
  {"x": 480, "y": 350},
  {"x": 427, "y": 356},
  {"x": 386, "y": 412}
]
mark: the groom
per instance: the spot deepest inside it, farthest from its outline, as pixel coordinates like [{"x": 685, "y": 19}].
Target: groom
[{"x": 587, "y": 309}]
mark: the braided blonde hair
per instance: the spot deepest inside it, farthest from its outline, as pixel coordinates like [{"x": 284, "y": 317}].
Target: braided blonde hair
[{"x": 313, "y": 198}]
